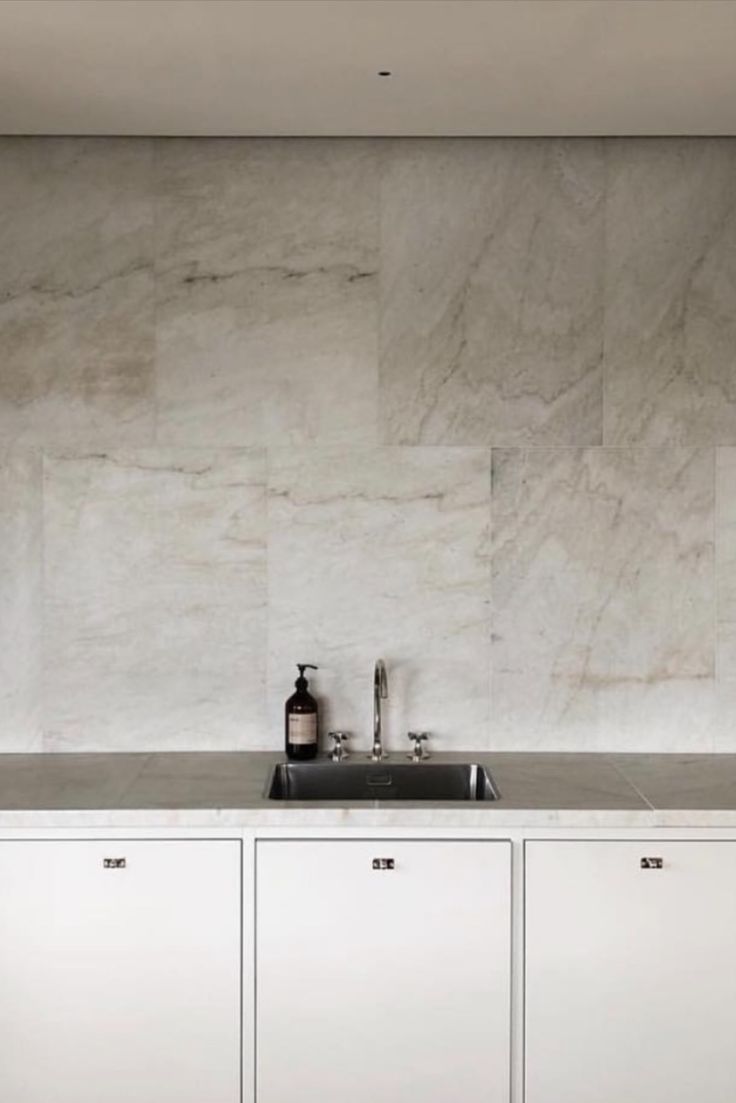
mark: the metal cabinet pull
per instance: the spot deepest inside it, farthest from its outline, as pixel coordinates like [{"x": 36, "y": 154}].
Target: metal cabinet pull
[
  {"x": 383, "y": 863},
  {"x": 652, "y": 863},
  {"x": 114, "y": 863}
]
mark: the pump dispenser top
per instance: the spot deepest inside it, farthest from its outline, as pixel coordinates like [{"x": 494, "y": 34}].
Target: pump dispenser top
[{"x": 301, "y": 682}]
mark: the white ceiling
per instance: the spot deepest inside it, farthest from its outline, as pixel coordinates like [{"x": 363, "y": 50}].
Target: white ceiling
[{"x": 254, "y": 67}]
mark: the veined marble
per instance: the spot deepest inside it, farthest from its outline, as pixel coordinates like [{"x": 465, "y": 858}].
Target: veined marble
[
  {"x": 20, "y": 600},
  {"x": 682, "y": 782},
  {"x": 604, "y": 603},
  {"x": 726, "y": 534},
  {"x": 225, "y": 294},
  {"x": 383, "y": 552},
  {"x": 76, "y": 291},
  {"x": 155, "y": 612},
  {"x": 492, "y": 293},
  {"x": 726, "y": 593},
  {"x": 670, "y": 372},
  {"x": 266, "y": 258}
]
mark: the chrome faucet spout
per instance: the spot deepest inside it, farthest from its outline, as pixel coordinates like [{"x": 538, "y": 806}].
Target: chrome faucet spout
[{"x": 380, "y": 693}]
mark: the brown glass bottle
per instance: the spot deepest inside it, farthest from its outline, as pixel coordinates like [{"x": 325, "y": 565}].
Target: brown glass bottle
[{"x": 302, "y": 720}]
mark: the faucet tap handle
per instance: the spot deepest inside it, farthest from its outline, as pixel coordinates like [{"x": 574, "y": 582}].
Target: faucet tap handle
[
  {"x": 419, "y": 754},
  {"x": 338, "y": 752}
]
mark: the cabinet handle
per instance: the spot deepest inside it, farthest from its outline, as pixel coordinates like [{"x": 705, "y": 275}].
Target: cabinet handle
[
  {"x": 652, "y": 863},
  {"x": 383, "y": 863},
  {"x": 114, "y": 863}
]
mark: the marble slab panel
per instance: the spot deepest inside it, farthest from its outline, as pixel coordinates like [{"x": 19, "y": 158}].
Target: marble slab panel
[
  {"x": 20, "y": 600},
  {"x": 383, "y": 552},
  {"x": 76, "y": 291},
  {"x": 226, "y": 780},
  {"x": 726, "y": 592},
  {"x": 58, "y": 781},
  {"x": 670, "y": 335},
  {"x": 155, "y": 616},
  {"x": 604, "y": 604},
  {"x": 267, "y": 291},
  {"x": 492, "y": 296},
  {"x": 726, "y": 534},
  {"x": 564, "y": 781},
  {"x": 683, "y": 781},
  {"x": 725, "y": 724}
]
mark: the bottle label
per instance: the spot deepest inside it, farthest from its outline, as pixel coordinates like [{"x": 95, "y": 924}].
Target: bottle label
[{"x": 303, "y": 727}]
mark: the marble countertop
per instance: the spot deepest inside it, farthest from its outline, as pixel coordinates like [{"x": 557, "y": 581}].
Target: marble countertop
[{"x": 228, "y": 790}]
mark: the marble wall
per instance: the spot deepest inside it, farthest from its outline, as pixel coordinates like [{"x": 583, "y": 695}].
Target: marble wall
[{"x": 466, "y": 404}]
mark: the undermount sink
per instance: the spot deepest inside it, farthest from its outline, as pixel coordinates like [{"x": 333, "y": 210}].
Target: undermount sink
[{"x": 378, "y": 781}]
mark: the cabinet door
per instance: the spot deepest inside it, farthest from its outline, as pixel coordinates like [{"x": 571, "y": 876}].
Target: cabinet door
[
  {"x": 630, "y": 972},
  {"x": 120, "y": 983},
  {"x": 383, "y": 971}
]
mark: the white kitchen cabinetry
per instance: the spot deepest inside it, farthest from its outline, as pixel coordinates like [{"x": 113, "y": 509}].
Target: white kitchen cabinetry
[
  {"x": 382, "y": 971},
  {"x": 120, "y": 971},
  {"x": 630, "y": 972}
]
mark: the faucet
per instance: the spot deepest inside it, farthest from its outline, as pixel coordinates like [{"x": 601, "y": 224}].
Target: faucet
[{"x": 380, "y": 693}]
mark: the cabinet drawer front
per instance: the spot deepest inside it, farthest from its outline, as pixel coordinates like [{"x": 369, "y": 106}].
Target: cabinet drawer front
[
  {"x": 630, "y": 971},
  {"x": 120, "y": 973},
  {"x": 397, "y": 951}
]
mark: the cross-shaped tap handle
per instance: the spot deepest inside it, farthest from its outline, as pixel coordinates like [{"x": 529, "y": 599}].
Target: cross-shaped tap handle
[{"x": 419, "y": 754}]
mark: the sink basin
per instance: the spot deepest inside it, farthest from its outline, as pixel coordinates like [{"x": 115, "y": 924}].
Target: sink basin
[{"x": 369, "y": 781}]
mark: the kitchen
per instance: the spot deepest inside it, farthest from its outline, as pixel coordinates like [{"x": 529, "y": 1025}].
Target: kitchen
[{"x": 392, "y": 338}]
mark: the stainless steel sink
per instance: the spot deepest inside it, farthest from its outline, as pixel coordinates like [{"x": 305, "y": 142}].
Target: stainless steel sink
[{"x": 368, "y": 781}]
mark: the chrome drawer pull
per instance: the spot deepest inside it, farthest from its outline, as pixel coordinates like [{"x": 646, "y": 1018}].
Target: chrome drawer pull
[
  {"x": 652, "y": 863},
  {"x": 114, "y": 863},
  {"x": 383, "y": 863}
]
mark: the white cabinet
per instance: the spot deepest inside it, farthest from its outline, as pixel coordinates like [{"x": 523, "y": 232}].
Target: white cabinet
[
  {"x": 382, "y": 971},
  {"x": 630, "y": 972},
  {"x": 120, "y": 971}
]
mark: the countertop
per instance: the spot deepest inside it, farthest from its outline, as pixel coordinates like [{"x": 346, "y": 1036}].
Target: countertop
[{"x": 215, "y": 790}]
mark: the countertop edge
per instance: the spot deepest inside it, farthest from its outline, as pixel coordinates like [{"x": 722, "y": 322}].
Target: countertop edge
[{"x": 494, "y": 823}]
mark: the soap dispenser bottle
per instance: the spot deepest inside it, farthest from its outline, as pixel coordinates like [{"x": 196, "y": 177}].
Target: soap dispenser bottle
[{"x": 302, "y": 713}]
